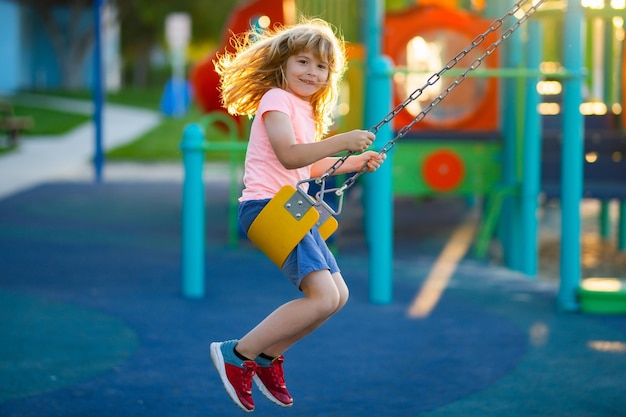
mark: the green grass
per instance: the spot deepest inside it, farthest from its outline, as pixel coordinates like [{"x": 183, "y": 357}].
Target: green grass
[
  {"x": 148, "y": 98},
  {"x": 161, "y": 144},
  {"x": 49, "y": 122}
]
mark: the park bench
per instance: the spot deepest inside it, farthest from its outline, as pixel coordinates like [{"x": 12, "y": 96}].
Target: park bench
[{"x": 12, "y": 125}]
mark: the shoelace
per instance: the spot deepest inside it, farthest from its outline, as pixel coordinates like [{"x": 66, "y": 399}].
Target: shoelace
[
  {"x": 276, "y": 371},
  {"x": 248, "y": 372}
]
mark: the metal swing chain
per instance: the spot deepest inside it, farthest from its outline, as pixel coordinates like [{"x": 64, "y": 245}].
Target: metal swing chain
[{"x": 432, "y": 80}]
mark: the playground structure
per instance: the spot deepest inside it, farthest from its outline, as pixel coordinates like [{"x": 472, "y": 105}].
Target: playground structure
[{"x": 485, "y": 140}]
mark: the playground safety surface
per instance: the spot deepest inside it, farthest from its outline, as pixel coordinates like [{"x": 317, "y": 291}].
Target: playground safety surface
[{"x": 94, "y": 324}]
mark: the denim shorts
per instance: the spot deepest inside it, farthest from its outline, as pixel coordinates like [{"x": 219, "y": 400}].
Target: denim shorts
[{"x": 311, "y": 254}]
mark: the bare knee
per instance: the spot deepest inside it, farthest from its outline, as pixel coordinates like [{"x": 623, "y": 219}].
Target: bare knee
[
  {"x": 320, "y": 289},
  {"x": 344, "y": 294},
  {"x": 342, "y": 289},
  {"x": 328, "y": 303}
]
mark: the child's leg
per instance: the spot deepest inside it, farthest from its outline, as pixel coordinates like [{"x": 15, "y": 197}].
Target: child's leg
[
  {"x": 324, "y": 295},
  {"x": 283, "y": 345}
]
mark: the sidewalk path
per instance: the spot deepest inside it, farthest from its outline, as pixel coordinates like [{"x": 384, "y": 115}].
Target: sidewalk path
[{"x": 42, "y": 159}]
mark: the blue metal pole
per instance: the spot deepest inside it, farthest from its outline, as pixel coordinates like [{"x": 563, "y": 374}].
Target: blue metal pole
[
  {"x": 572, "y": 157},
  {"x": 378, "y": 195},
  {"x": 98, "y": 90},
  {"x": 193, "y": 212},
  {"x": 531, "y": 173}
]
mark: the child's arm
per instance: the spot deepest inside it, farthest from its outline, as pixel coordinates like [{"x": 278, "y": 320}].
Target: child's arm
[
  {"x": 354, "y": 163},
  {"x": 294, "y": 155}
]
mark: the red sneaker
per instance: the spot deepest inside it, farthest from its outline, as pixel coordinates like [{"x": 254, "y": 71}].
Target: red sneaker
[
  {"x": 236, "y": 377},
  {"x": 271, "y": 382}
]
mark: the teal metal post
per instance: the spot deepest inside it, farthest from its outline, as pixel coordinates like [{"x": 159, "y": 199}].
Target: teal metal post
[
  {"x": 572, "y": 157},
  {"x": 531, "y": 166},
  {"x": 193, "y": 243},
  {"x": 378, "y": 195},
  {"x": 511, "y": 133},
  {"x": 235, "y": 148},
  {"x": 621, "y": 226},
  {"x": 605, "y": 219},
  {"x": 609, "y": 97}
]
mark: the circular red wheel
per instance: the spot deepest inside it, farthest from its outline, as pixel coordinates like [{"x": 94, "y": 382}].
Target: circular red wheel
[{"x": 443, "y": 170}]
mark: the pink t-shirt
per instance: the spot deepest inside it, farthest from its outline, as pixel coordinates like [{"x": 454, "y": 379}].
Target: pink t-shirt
[{"x": 264, "y": 175}]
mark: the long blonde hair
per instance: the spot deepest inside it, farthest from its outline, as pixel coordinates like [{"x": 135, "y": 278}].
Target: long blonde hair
[{"x": 256, "y": 67}]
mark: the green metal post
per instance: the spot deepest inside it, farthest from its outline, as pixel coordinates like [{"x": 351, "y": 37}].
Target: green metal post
[
  {"x": 465, "y": 5},
  {"x": 609, "y": 68},
  {"x": 588, "y": 55},
  {"x": 235, "y": 149},
  {"x": 605, "y": 219},
  {"x": 619, "y": 76},
  {"x": 621, "y": 229}
]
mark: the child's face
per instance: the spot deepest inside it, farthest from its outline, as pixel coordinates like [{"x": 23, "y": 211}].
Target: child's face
[{"x": 305, "y": 74}]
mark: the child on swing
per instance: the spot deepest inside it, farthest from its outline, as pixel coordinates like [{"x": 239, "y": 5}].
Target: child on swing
[{"x": 289, "y": 79}]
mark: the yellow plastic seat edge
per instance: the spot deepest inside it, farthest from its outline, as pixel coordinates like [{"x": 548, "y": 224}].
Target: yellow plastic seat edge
[
  {"x": 329, "y": 227},
  {"x": 276, "y": 231}
]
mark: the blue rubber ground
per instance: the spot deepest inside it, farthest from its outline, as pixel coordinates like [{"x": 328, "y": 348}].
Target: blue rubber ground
[{"x": 495, "y": 345}]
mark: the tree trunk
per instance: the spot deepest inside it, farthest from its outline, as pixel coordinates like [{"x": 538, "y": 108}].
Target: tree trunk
[{"x": 71, "y": 43}]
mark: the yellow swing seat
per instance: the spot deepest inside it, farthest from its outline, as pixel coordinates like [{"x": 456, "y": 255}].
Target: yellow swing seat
[{"x": 286, "y": 219}]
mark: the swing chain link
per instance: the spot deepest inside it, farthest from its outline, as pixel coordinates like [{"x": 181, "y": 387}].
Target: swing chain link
[{"x": 432, "y": 80}]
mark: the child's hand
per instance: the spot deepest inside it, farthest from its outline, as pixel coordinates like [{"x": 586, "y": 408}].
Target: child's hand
[
  {"x": 372, "y": 159},
  {"x": 358, "y": 140}
]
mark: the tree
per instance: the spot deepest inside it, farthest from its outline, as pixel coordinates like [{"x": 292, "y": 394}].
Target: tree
[
  {"x": 70, "y": 37},
  {"x": 142, "y": 29},
  {"x": 143, "y": 25}
]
